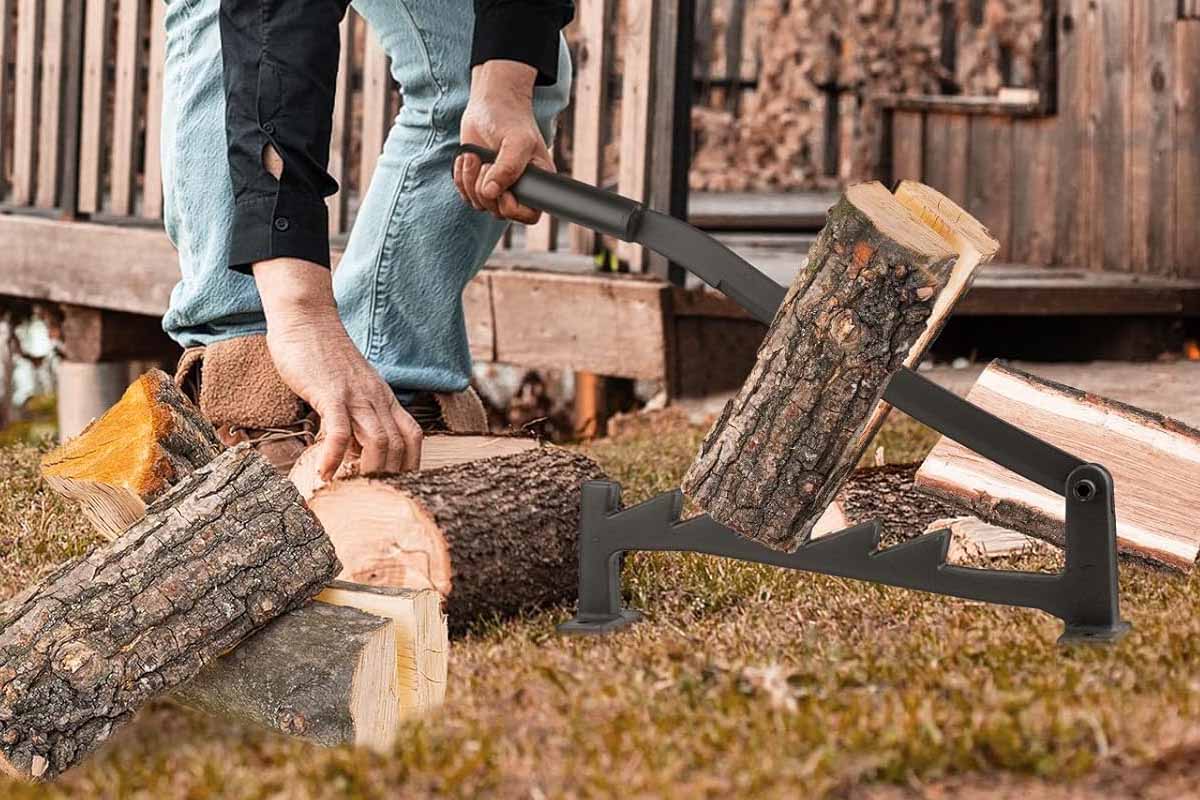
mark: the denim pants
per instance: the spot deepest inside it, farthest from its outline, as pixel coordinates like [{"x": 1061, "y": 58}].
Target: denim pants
[{"x": 415, "y": 243}]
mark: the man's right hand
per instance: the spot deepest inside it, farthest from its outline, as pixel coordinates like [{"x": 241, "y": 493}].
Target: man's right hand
[{"x": 317, "y": 359}]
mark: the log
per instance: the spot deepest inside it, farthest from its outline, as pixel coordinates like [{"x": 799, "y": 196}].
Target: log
[
  {"x": 1154, "y": 461},
  {"x": 138, "y": 449},
  {"x": 227, "y": 549},
  {"x": 494, "y": 537},
  {"x": 438, "y": 450},
  {"x": 344, "y": 670},
  {"x": 972, "y": 539},
  {"x": 881, "y": 281},
  {"x": 328, "y": 674}
]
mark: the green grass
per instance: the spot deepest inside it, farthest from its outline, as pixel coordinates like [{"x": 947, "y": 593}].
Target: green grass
[{"x": 744, "y": 681}]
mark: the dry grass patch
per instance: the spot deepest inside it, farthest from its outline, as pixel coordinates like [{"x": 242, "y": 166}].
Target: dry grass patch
[{"x": 745, "y": 681}]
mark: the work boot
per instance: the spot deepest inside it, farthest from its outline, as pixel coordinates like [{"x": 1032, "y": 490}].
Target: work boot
[{"x": 236, "y": 386}]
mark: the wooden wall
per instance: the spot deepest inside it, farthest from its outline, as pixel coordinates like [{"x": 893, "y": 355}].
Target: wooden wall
[{"x": 1109, "y": 182}]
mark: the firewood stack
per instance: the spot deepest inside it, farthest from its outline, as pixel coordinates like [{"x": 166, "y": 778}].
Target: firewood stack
[{"x": 204, "y": 590}]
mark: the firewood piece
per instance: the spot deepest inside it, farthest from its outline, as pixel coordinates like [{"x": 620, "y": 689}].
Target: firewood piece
[
  {"x": 880, "y": 282},
  {"x": 438, "y": 450},
  {"x": 1154, "y": 461},
  {"x": 972, "y": 539},
  {"x": 223, "y": 552},
  {"x": 494, "y": 537},
  {"x": 346, "y": 670},
  {"x": 132, "y": 454}
]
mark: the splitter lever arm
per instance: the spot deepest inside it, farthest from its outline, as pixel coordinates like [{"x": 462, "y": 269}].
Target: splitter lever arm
[{"x": 630, "y": 221}]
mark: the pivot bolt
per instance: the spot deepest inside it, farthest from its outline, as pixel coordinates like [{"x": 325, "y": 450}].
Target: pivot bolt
[{"x": 1084, "y": 490}]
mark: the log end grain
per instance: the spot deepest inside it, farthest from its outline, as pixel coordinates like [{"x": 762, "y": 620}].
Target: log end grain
[{"x": 132, "y": 454}]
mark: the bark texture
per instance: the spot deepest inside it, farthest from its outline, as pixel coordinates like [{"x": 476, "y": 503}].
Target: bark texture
[
  {"x": 216, "y": 557},
  {"x": 783, "y": 445},
  {"x": 509, "y": 524},
  {"x": 138, "y": 449},
  {"x": 298, "y": 675}
]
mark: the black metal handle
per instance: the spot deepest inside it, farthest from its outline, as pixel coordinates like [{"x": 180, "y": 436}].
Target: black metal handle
[{"x": 569, "y": 199}]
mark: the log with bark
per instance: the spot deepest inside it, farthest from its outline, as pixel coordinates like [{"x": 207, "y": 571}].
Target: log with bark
[
  {"x": 494, "y": 537},
  {"x": 879, "y": 285},
  {"x": 346, "y": 669},
  {"x": 343, "y": 670},
  {"x": 1154, "y": 461},
  {"x": 132, "y": 454},
  {"x": 437, "y": 450},
  {"x": 226, "y": 550}
]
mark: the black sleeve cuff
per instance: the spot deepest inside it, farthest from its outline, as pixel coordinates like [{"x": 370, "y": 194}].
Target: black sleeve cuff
[
  {"x": 517, "y": 33},
  {"x": 288, "y": 225}
]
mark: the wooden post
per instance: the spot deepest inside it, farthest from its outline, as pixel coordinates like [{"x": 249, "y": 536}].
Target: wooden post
[
  {"x": 591, "y": 99},
  {"x": 6, "y": 7},
  {"x": 127, "y": 106},
  {"x": 152, "y": 195},
  {"x": 86, "y": 390},
  {"x": 25, "y": 106},
  {"x": 672, "y": 134},
  {"x": 376, "y": 82},
  {"x": 637, "y": 104},
  {"x": 96, "y": 56}
]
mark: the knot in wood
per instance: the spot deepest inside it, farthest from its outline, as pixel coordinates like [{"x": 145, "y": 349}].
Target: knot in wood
[{"x": 291, "y": 722}]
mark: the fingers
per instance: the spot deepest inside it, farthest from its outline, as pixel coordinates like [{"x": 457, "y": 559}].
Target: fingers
[
  {"x": 335, "y": 431},
  {"x": 469, "y": 167},
  {"x": 510, "y": 208},
  {"x": 514, "y": 156},
  {"x": 412, "y": 437}
]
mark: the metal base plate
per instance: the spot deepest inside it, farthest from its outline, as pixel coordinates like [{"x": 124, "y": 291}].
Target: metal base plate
[
  {"x": 1083, "y": 634},
  {"x": 589, "y": 626}
]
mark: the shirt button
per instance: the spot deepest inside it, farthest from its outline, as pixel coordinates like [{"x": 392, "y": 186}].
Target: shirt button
[
  {"x": 269, "y": 127},
  {"x": 282, "y": 224}
]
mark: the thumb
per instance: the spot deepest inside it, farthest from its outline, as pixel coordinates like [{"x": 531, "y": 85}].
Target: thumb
[{"x": 509, "y": 165}]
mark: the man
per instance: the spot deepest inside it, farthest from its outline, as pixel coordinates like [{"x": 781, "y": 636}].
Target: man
[{"x": 379, "y": 350}]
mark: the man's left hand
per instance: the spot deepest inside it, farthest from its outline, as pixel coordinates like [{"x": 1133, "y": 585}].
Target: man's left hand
[{"x": 499, "y": 117}]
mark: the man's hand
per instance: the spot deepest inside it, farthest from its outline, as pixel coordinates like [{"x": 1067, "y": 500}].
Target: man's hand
[
  {"x": 317, "y": 360},
  {"x": 499, "y": 116}
]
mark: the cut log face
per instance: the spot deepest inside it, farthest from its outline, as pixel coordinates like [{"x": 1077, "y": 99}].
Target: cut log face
[
  {"x": 495, "y": 536},
  {"x": 345, "y": 670},
  {"x": 1154, "y": 461},
  {"x": 142, "y": 446},
  {"x": 219, "y": 555},
  {"x": 880, "y": 282},
  {"x": 972, "y": 539},
  {"x": 438, "y": 450}
]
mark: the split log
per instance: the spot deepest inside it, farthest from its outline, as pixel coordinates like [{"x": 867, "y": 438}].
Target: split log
[
  {"x": 880, "y": 283},
  {"x": 1154, "y": 461},
  {"x": 132, "y": 454},
  {"x": 972, "y": 539},
  {"x": 345, "y": 670},
  {"x": 438, "y": 450},
  {"x": 227, "y": 549},
  {"x": 494, "y": 537},
  {"x": 327, "y": 674}
]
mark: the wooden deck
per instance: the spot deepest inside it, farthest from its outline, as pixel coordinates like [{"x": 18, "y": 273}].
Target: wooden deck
[{"x": 541, "y": 309}]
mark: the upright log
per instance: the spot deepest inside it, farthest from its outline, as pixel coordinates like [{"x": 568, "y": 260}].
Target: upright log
[
  {"x": 223, "y": 552},
  {"x": 494, "y": 537},
  {"x": 880, "y": 283}
]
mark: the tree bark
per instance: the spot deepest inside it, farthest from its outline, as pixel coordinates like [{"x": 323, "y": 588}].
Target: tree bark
[
  {"x": 495, "y": 537},
  {"x": 219, "y": 555},
  {"x": 862, "y": 309},
  {"x": 342, "y": 672},
  {"x": 138, "y": 449}
]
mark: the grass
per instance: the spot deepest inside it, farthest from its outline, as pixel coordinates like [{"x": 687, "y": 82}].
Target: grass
[{"x": 744, "y": 681}]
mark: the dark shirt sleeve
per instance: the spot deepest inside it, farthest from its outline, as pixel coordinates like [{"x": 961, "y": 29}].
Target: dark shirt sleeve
[
  {"x": 521, "y": 30},
  {"x": 280, "y": 62}
]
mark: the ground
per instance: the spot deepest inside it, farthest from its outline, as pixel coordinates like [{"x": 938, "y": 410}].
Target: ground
[{"x": 744, "y": 681}]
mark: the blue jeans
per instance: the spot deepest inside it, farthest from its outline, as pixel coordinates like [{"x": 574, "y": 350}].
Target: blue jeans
[{"x": 414, "y": 245}]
